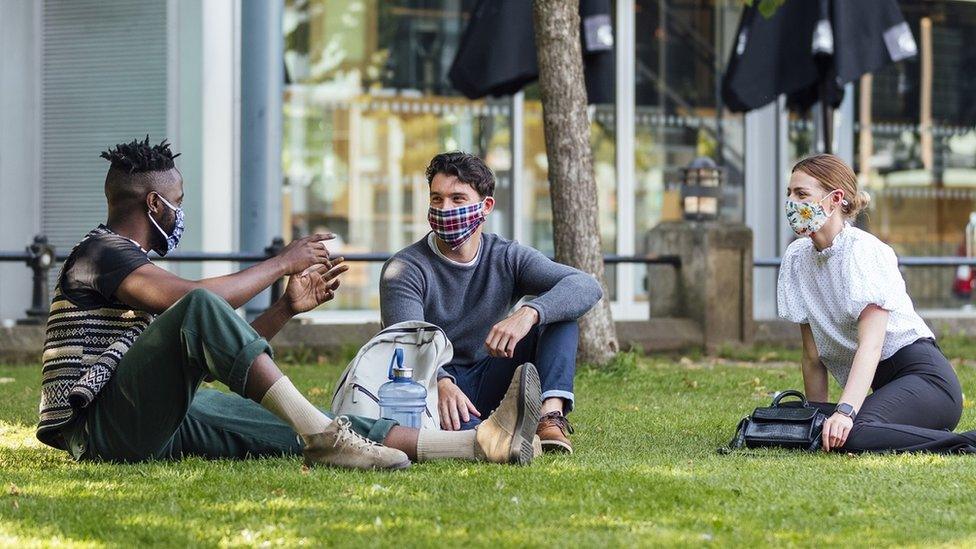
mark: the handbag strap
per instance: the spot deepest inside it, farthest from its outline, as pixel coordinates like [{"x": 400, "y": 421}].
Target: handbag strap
[
  {"x": 738, "y": 440},
  {"x": 792, "y": 392}
]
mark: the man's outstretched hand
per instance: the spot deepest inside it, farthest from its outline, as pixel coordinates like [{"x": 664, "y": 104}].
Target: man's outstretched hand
[
  {"x": 306, "y": 252},
  {"x": 314, "y": 286},
  {"x": 505, "y": 335}
]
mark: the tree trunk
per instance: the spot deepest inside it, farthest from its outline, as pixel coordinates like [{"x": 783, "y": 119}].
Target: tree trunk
[{"x": 576, "y": 232}]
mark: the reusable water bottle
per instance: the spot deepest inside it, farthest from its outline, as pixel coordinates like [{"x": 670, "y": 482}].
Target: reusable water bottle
[{"x": 402, "y": 399}]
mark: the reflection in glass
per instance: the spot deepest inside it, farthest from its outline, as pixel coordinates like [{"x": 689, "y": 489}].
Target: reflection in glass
[
  {"x": 367, "y": 105},
  {"x": 681, "y": 49},
  {"x": 922, "y": 177}
]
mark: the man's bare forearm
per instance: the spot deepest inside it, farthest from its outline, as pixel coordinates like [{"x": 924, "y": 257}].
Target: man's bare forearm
[
  {"x": 150, "y": 288},
  {"x": 272, "y": 320},
  {"x": 239, "y": 288}
]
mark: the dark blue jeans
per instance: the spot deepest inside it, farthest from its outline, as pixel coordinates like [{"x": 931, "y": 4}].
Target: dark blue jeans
[{"x": 551, "y": 348}]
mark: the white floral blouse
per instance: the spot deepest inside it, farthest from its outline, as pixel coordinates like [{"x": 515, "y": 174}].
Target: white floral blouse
[{"x": 829, "y": 289}]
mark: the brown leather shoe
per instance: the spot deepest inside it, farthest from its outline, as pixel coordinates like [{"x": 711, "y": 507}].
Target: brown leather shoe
[{"x": 554, "y": 430}]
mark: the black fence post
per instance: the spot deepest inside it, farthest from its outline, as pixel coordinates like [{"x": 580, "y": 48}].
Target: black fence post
[
  {"x": 278, "y": 288},
  {"x": 40, "y": 258}
]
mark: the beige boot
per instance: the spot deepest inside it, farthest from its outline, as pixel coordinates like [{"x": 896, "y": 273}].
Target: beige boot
[
  {"x": 508, "y": 435},
  {"x": 340, "y": 446}
]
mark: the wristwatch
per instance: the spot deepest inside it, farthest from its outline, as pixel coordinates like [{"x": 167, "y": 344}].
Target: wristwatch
[{"x": 846, "y": 409}]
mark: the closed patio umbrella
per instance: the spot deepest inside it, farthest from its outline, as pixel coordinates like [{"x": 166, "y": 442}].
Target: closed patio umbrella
[
  {"x": 497, "y": 54},
  {"x": 809, "y": 49}
]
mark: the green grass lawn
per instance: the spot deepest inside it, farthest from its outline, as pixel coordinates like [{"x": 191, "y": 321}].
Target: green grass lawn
[{"x": 645, "y": 473}]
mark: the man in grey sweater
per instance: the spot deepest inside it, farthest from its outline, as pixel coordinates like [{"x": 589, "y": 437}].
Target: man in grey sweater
[{"x": 467, "y": 283}]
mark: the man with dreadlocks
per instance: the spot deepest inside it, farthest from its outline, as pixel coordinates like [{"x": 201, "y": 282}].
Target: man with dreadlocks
[{"x": 128, "y": 345}]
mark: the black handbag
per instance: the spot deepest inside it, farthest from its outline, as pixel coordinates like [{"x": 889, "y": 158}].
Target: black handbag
[{"x": 794, "y": 425}]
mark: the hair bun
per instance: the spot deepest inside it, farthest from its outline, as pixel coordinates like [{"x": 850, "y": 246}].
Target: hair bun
[{"x": 860, "y": 202}]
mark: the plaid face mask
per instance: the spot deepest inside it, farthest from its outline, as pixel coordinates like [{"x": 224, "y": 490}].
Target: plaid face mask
[{"x": 456, "y": 225}]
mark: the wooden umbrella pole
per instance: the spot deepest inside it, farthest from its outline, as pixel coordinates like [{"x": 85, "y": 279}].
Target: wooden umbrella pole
[
  {"x": 826, "y": 114},
  {"x": 866, "y": 148},
  {"x": 925, "y": 100}
]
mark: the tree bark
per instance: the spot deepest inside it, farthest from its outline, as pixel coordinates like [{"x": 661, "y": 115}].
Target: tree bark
[{"x": 572, "y": 188}]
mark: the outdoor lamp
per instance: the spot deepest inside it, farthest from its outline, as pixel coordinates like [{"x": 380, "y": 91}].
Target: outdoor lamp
[
  {"x": 701, "y": 189},
  {"x": 40, "y": 258}
]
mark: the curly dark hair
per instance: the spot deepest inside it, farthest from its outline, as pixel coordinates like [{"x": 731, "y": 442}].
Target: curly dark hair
[
  {"x": 468, "y": 168},
  {"x": 140, "y": 156}
]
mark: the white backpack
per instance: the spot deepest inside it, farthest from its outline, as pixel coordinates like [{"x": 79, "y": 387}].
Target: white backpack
[{"x": 425, "y": 348}]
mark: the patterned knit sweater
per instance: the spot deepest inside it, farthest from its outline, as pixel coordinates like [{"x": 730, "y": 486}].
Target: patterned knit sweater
[{"x": 84, "y": 344}]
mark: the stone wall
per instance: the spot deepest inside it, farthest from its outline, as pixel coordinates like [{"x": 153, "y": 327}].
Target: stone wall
[
  {"x": 22, "y": 344},
  {"x": 305, "y": 341}
]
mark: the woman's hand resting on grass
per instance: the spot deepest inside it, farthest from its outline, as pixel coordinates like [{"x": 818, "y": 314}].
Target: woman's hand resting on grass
[{"x": 835, "y": 431}]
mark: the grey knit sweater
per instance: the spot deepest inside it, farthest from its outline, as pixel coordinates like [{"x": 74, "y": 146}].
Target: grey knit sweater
[{"x": 467, "y": 300}]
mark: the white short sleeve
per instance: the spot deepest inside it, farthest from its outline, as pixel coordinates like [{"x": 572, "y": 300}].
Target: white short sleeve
[
  {"x": 788, "y": 301},
  {"x": 873, "y": 278}
]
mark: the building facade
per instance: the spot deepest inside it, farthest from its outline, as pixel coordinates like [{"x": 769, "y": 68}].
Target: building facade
[{"x": 365, "y": 102}]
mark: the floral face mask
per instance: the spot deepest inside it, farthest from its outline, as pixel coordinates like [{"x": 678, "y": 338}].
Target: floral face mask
[{"x": 806, "y": 218}]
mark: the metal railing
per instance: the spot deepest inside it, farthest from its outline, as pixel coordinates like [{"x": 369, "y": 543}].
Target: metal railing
[
  {"x": 907, "y": 261},
  {"x": 40, "y": 257}
]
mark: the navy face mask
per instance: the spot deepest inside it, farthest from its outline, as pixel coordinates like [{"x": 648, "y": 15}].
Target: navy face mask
[{"x": 172, "y": 240}]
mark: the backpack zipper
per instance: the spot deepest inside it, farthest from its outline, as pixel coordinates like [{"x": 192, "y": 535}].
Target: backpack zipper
[{"x": 365, "y": 391}]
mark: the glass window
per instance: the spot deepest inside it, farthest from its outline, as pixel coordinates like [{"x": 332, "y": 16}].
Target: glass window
[
  {"x": 917, "y": 157},
  {"x": 535, "y": 183},
  {"x": 367, "y": 105},
  {"x": 681, "y": 49}
]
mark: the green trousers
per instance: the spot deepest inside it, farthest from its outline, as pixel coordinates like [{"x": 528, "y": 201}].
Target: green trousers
[{"x": 152, "y": 408}]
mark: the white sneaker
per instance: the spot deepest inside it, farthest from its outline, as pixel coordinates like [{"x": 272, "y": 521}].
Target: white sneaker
[{"x": 340, "y": 446}]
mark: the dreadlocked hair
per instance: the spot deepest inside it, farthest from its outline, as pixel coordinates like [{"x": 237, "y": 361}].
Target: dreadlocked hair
[{"x": 139, "y": 156}]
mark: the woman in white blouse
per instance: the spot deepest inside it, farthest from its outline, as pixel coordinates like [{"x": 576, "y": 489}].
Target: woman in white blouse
[{"x": 843, "y": 287}]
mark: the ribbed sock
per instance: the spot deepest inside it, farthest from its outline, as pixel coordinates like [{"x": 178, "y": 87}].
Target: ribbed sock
[
  {"x": 433, "y": 444},
  {"x": 284, "y": 401}
]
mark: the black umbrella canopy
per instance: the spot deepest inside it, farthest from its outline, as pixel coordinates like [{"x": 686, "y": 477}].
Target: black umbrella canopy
[
  {"x": 497, "y": 51},
  {"x": 771, "y": 56},
  {"x": 497, "y": 54},
  {"x": 809, "y": 49}
]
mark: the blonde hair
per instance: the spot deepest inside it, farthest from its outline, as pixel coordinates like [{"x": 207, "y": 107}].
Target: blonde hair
[{"x": 833, "y": 173}]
